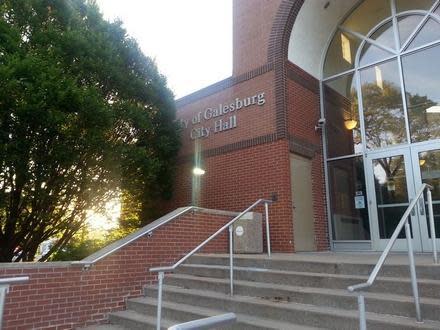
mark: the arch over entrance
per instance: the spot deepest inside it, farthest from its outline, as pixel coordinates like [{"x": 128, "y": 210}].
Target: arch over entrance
[{"x": 381, "y": 101}]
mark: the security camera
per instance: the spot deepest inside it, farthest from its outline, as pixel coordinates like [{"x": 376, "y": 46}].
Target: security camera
[{"x": 320, "y": 125}]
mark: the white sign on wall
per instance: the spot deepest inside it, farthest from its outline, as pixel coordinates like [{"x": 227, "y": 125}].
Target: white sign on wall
[
  {"x": 207, "y": 122},
  {"x": 239, "y": 231}
]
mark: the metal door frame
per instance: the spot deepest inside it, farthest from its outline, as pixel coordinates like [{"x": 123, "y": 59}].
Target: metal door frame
[{"x": 378, "y": 244}]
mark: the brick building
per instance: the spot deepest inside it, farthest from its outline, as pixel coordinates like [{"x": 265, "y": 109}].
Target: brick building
[
  {"x": 333, "y": 110},
  {"x": 324, "y": 113}
]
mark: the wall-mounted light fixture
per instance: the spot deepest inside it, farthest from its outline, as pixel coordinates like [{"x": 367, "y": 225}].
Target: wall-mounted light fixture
[
  {"x": 320, "y": 125},
  {"x": 350, "y": 124},
  {"x": 198, "y": 171}
]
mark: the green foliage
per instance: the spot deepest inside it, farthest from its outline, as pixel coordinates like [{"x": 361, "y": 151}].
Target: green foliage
[
  {"x": 80, "y": 246},
  {"x": 83, "y": 114}
]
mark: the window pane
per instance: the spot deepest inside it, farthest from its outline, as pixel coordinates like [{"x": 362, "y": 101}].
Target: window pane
[
  {"x": 429, "y": 162},
  {"x": 407, "y": 25},
  {"x": 342, "y": 117},
  {"x": 430, "y": 32},
  {"x": 367, "y": 15},
  {"x": 436, "y": 211},
  {"x": 388, "y": 219},
  {"x": 382, "y": 103},
  {"x": 422, "y": 89},
  {"x": 391, "y": 193},
  {"x": 385, "y": 35},
  {"x": 341, "y": 54},
  {"x": 390, "y": 181},
  {"x": 349, "y": 210},
  {"x": 371, "y": 53},
  {"x": 404, "y": 5}
]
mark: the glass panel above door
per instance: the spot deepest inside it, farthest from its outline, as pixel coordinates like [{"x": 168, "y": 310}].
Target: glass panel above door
[
  {"x": 422, "y": 86},
  {"x": 367, "y": 15},
  {"x": 407, "y": 25},
  {"x": 342, "y": 117},
  {"x": 385, "y": 35},
  {"x": 404, "y": 5},
  {"x": 383, "y": 107},
  {"x": 371, "y": 53},
  {"x": 430, "y": 32},
  {"x": 341, "y": 54}
]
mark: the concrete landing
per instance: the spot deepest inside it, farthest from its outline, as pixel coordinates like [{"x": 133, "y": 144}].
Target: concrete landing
[{"x": 370, "y": 258}]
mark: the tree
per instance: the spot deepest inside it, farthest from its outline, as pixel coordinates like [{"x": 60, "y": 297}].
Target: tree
[{"x": 84, "y": 115}]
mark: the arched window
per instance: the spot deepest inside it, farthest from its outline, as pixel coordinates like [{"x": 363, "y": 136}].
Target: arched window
[
  {"x": 381, "y": 89},
  {"x": 383, "y": 59}
]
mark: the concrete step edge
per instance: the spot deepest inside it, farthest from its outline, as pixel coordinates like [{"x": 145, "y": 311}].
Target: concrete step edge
[
  {"x": 141, "y": 318},
  {"x": 287, "y": 272},
  {"x": 306, "y": 259},
  {"x": 329, "y": 311},
  {"x": 206, "y": 312},
  {"x": 314, "y": 290},
  {"x": 103, "y": 327}
]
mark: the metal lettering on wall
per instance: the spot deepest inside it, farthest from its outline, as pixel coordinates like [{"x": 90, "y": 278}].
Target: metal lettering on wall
[{"x": 211, "y": 124}]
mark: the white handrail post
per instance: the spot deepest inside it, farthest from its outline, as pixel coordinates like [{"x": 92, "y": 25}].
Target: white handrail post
[
  {"x": 432, "y": 225},
  {"x": 412, "y": 268},
  {"x": 362, "y": 316},
  {"x": 159, "y": 300},
  {"x": 266, "y": 210},
  {"x": 231, "y": 261},
  {"x": 3, "y": 291}
]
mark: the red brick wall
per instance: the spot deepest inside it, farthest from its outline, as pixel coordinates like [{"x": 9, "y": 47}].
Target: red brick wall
[
  {"x": 234, "y": 180},
  {"x": 63, "y": 296},
  {"x": 236, "y": 177},
  {"x": 253, "y": 20}
]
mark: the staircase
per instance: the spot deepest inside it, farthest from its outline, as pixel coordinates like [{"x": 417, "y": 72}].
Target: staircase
[{"x": 290, "y": 291}]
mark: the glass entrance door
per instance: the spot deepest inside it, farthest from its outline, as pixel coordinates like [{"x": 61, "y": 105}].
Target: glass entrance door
[
  {"x": 391, "y": 187},
  {"x": 426, "y": 164}
]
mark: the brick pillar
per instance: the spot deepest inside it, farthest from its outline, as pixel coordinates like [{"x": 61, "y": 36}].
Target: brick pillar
[{"x": 252, "y": 22}]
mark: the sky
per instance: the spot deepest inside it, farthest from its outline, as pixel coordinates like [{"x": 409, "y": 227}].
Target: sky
[{"x": 191, "y": 40}]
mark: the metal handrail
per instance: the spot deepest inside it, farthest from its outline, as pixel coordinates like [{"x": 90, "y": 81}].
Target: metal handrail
[
  {"x": 207, "y": 323},
  {"x": 161, "y": 270},
  {"x": 4, "y": 289},
  {"x": 402, "y": 223},
  {"x": 141, "y": 233}
]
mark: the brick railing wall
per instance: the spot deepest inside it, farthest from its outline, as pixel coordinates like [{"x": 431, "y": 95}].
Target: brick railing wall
[{"x": 62, "y": 295}]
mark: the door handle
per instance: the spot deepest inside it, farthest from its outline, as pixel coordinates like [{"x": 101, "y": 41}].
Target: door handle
[
  {"x": 421, "y": 205},
  {"x": 413, "y": 211}
]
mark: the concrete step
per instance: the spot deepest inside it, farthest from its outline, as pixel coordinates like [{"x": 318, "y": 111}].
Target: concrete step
[
  {"x": 145, "y": 308},
  {"x": 136, "y": 321},
  {"x": 336, "y": 298},
  {"x": 393, "y": 285},
  {"x": 190, "y": 303},
  {"x": 318, "y": 264},
  {"x": 103, "y": 327}
]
